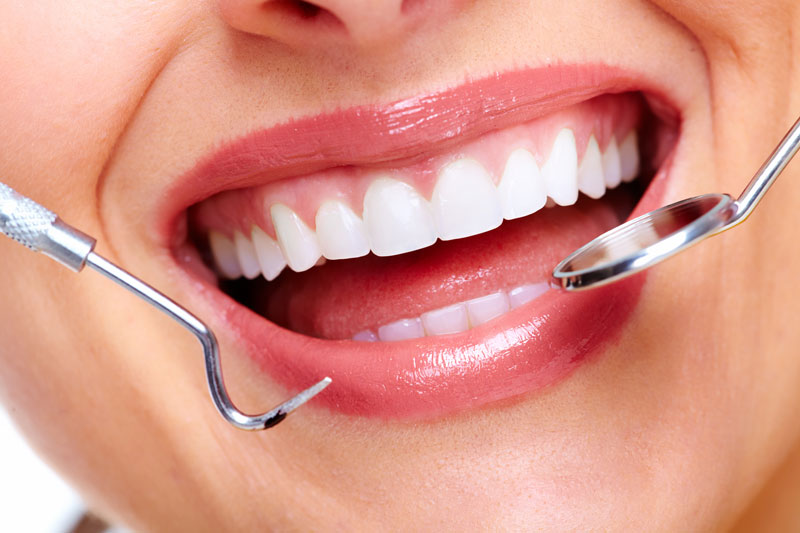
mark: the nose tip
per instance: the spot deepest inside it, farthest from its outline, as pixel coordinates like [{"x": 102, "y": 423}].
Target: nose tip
[{"x": 300, "y": 23}]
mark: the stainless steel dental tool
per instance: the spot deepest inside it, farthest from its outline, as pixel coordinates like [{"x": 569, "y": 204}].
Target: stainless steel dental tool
[
  {"x": 43, "y": 231},
  {"x": 660, "y": 234}
]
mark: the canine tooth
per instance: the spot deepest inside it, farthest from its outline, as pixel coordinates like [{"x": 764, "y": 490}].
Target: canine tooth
[
  {"x": 365, "y": 336},
  {"x": 629, "y": 157},
  {"x": 451, "y": 319},
  {"x": 269, "y": 254},
  {"x": 224, "y": 252},
  {"x": 611, "y": 164},
  {"x": 407, "y": 328},
  {"x": 397, "y": 218},
  {"x": 486, "y": 308},
  {"x": 590, "y": 173},
  {"x": 246, "y": 253},
  {"x": 298, "y": 243},
  {"x": 340, "y": 232},
  {"x": 465, "y": 201},
  {"x": 560, "y": 172},
  {"x": 522, "y": 190},
  {"x": 526, "y": 293}
]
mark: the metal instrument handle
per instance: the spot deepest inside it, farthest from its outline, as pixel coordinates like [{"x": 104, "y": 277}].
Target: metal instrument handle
[
  {"x": 766, "y": 176},
  {"x": 43, "y": 231},
  {"x": 38, "y": 228}
]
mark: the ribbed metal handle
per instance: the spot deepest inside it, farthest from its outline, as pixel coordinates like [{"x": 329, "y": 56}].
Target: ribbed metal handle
[
  {"x": 24, "y": 220},
  {"x": 38, "y": 228}
]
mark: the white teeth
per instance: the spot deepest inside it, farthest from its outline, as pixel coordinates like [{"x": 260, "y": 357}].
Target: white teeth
[
  {"x": 486, "y": 308},
  {"x": 611, "y": 164},
  {"x": 397, "y": 218},
  {"x": 365, "y": 336},
  {"x": 224, "y": 252},
  {"x": 269, "y": 254},
  {"x": 408, "y": 328},
  {"x": 629, "y": 157},
  {"x": 526, "y": 293},
  {"x": 465, "y": 201},
  {"x": 341, "y": 234},
  {"x": 298, "y": 243},
  {"x": 522, "y": 189},
  {"x": 590, "y": 173},
  {"x": 561, "y": 170},
  {"x": 456, "y": 318},
  {"x": 452, "y": 319},
  {"x": 246, "y": 253}
]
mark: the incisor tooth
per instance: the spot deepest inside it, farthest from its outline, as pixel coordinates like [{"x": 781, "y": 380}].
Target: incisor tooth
[
  {"x": 629, "y": 157},
  {"x": 340, "y": 232},
  {"x": 465, "y": 201},
  {"x": 611, "y": 165},
  {"x": 526, "y": 293},
  {"x": 408, "y": 328},
  {"x": 522, "y": 190},
  {"x": 486, "y": 308},
  {"x": 269, "y": 254},
  {"x": 397, "y": 218},
  {"x": 365, "y": 336},
  {"x": 590, "y": 173},
  {"x": 298, "y": 243},
  {"x": 451, "y": 319},
  {"x": 560, "y": 172},
  {"x": 224, "y": 252}
]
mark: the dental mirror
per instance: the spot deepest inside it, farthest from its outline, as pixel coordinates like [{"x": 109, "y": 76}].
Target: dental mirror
[{"x": 655, "y": 236}]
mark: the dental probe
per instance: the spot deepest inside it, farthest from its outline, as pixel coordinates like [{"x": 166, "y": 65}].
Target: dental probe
[
  {"x": 43, "y": 231},
  {"x": 655, "y": 236}
]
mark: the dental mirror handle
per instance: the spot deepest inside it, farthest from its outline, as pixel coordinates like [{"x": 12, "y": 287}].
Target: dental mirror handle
[
  {"x": 766, "y": 176},
  {"x": 41, "y": 230}
]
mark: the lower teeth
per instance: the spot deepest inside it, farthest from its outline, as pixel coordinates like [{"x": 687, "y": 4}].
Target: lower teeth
[{"x": 455, "y": 318}]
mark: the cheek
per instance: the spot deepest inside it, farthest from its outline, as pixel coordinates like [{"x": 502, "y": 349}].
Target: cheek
[
  {"x": 71, "y": 78},
  {"x": 735, "y": 24}
]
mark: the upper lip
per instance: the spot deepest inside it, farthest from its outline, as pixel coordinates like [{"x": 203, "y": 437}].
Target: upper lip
[{"x": 398, "y": 132}]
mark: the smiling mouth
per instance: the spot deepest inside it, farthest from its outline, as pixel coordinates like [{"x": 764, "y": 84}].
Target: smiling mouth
[{"x": 419, "y": 278}]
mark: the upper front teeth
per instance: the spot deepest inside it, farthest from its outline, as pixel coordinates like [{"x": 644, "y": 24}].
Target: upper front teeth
[
  {"x": 396, "y": 218},
  {"x": 465, "y": 201},
  {"x": 522, "y": 189},
  {"x": 340, "y": 232},
  {"x": 560, "y": 172}
]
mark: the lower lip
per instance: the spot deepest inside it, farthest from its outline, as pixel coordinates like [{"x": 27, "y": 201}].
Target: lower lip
[{"x": 523, "y": 352}]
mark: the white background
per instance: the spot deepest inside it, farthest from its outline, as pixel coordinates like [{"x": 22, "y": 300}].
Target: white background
[{"x": 33, "y": 499}]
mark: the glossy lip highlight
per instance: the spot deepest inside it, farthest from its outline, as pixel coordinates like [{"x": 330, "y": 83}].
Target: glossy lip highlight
[{"x": 425, "y": 377}]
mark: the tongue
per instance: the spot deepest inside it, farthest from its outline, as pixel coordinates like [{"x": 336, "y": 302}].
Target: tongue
[{"x": 341, "y": 298}]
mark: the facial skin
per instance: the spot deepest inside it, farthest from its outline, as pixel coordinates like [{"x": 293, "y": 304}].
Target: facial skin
[{"x": 686, "y": 422}]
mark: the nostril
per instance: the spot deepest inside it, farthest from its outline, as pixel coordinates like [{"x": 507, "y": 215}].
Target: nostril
[
  {"x": 304, "y": 9},
  {"x": 300, "y": 10}
]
